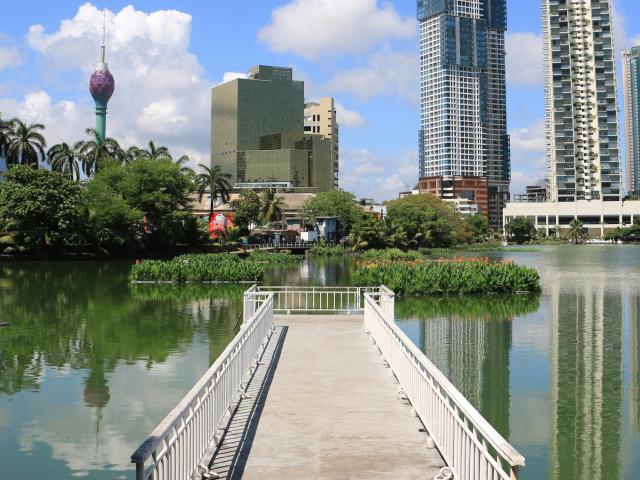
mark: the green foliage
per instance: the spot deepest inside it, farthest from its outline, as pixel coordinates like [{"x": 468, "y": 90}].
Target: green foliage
[
  {"x": 576, "y": 230},
  {"x": 521, "y": 230},
  {"x": 425, "y": 221},
  {"x": 42, "y": 208},
  {"x": 448, "y": 277},
  {"x": 627, "y": 234},
  {"x": 247, "y": 210},
  {"x": 479, "y": 226},
  {"x": 368, "y": 232},
  {"x": 214, "y": 182},
  {"x": 25, "y": 143},
  {"x": 274, "y": 258},
  {"x": 335, "y": 203},
  {"x": 198, "y": 268},
  {"x": 328, "y": 251},
  {"x": 392, "y": 254},
  {"x": 272, "y": 206}
]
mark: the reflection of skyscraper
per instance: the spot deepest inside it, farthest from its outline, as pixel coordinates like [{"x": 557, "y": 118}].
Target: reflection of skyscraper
[
  {"x": 634, "y": 347},
  {"x": 474, "y": 355},
  {"x": 586, "y": 383}
]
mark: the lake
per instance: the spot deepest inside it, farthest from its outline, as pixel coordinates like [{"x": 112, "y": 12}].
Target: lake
[{"x": 89, "y": 364}]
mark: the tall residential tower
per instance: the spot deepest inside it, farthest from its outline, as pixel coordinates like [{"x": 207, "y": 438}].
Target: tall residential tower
[
  {"x": 631, "y": 69},
  {"x": 463, "y": 97},
  {"x": 580, "y": 85}
]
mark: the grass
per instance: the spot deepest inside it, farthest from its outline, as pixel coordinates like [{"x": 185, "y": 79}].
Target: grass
[
  {"x": 198, "y": 268},
  {"x": 447, "y": 276}
]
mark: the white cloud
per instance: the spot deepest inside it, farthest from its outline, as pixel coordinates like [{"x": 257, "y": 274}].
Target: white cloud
[
  {"x": 387, "y": 73},
  {"x": 230, "y": 76},
  {"x": 349, "y": 118},
  {"x": 372, "y": 175},
  {"x": 311, "y": 28},
  {"x": 162, "y": 93},
  {"x": 9, "y": 57},
  {"x": 524, "y": 59},
  {"x": 528, "y": 155}
]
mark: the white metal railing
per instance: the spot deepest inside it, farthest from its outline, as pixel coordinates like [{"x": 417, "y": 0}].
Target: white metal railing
[
  {"x": 313, "y": 299},
  {"x": 177, "y": 446},
  {"x": 470, "y": 446}
]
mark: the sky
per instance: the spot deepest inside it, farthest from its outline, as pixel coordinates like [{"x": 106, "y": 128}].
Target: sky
[{"x": 166, "y": 55}]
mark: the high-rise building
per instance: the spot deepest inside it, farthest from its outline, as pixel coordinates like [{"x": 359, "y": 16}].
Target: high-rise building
[
  {"x": 321, "y": 118},
  {"x": 631, "y": 73},
  {"x": 102, "y": 86},
  {"x": 463, "y": 94},
  {"x": 258, "y": 133},
  {"x": 581, "y": 111}
]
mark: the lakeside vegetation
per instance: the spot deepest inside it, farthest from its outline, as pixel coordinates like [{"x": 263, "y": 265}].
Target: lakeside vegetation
[
  {"x": 202, "y": 268},
  {"x": 447, "y": 276}
]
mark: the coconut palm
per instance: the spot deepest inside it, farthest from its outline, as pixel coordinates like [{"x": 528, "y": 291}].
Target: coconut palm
[
  {"x": 272, "y": 208},
  {"x": 215, "y": 182},
  {"x": 155, "y": 153},
  {"x": 183, "y": 163},
  {"x": 96, "y": 152},
  {"x": 4, "y": 136},
  {"x": 130, "y": 155},
  {"x": 65, "y": 160},
  {"x": 26, "y": 144},
  {"x": 576, "y": 230}
]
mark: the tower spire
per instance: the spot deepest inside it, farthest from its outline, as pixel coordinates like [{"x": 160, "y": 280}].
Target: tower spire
[{"x": 104, "y": 35}]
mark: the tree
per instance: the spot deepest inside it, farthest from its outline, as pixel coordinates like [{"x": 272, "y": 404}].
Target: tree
[
  {"x": 215, "y": 182},
  {"x": 334, "y": 203},
  {"x": 26, "y": 144},
  {"x": 369, "y": 232},
  {"x": 521, "y": 230},
  {"x": 576, "y": 230},
  {"x": 272, "y": 206},
  {"x": 155, "y": 153},
  {"x": 130, "y": 155},
  {"x": 427, "y": 222},
  {"x": 96, "y": 153},
  {"x": 42, "y": 208},
  {"x": 247, "y": 210},
  {"x": 478, "y": 225},
  {"x": 65, "y": 160},
  {"x": 4, "y": 136}
]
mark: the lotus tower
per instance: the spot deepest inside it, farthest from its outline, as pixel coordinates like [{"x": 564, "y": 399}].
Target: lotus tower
[{"x": 102, "y": 86}]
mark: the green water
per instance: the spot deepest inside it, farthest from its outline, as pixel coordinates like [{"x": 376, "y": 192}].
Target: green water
[{"x": 89, "y": 365}]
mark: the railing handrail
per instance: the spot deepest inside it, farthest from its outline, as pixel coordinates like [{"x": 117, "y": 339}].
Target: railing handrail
[
  {"x": 480, "y": 424},
  {"x": 148, "y": 446}
]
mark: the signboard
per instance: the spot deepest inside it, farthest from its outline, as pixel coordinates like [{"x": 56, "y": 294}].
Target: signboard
[{"x": 219, "y": 224}]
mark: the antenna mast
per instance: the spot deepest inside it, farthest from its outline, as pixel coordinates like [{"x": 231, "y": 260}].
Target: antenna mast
[{"x": 104, "y": 35}]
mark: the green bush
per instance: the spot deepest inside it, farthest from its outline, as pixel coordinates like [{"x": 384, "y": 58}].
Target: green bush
[
  {"x": 274, "y": 258},
  {"x": 198, "y": 268},
  {"x": 328, "y": 251},
  {"x": 392, "y": 254},
  {"x": 460, "y": 276}
]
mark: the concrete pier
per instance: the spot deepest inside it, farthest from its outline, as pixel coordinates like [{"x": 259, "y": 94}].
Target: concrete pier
[{"x": 322, "y": 405}]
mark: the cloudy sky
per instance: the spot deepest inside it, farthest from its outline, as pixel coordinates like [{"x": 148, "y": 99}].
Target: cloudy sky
[{"x": 165, "y": 56}]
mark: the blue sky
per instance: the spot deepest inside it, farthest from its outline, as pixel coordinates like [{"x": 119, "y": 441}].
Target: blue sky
[{"x": 166, "y": 55}]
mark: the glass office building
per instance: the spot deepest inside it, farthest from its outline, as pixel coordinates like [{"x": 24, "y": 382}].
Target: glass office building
[
  {"x": 631, "y": 68},
  {"x": 581, "y": 105},
  {"x": 463, "y": 94}
]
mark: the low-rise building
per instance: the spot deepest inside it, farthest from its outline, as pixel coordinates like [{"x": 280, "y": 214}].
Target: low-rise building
[
  {"x": 474, "y": 190},
  {"x": 598, "y": 217}
]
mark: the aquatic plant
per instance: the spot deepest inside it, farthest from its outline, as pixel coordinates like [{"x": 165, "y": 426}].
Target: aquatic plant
[
  {"x": 447, "y": 276},
  {"x": 272, "y": 258},
  {"x": 328, "y": 251}
]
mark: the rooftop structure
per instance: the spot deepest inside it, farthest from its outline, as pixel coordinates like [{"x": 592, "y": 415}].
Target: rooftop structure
[
  {"x": 580, "y": 85},
  {"x": 102, "y": 85}
]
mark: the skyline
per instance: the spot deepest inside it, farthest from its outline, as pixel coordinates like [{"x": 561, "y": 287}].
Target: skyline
[{"x": 166, "y": 62}]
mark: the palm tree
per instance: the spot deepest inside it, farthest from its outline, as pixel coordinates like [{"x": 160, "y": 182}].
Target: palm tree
[
  {"x": 96, "y": 152},
  {"x": 183, "y": 163},
  {"x": 156, "y": 153},
  {"x": 26, "y": 143},
  {"x": 4, "y": 136},
  {"x": 576, "y": 230},
  {"x": 272, "y": 208},
  {"x": 65, "y": 160},
  {"x": 130, "y": 155},
  {"x": 215, "y": 182}
]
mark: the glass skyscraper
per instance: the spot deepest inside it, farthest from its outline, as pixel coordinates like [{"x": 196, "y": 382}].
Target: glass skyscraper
[
  {"x": 582, "y": 125},
  {"x": 463, "y": 94},
  {"x": 631, "y": 68}
]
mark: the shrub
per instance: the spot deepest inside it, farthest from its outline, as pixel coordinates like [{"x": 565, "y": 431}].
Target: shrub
[
  {"x": 198, "y": 268},
  {"x": 457, "y": 276},
  {"x": 282, "y": 258},
  {"x": 392, "y": 254},
  {"x": 328, "y": 251}
]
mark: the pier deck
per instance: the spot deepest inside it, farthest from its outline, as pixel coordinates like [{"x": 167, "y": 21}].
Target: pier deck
[{"x": 324, "y": 406}]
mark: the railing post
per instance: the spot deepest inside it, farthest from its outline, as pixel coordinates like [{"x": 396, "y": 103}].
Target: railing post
[{"x": 140, "y": 470}]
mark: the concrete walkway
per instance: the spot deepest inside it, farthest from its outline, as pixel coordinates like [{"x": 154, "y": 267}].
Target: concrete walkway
[{"x": 323, "y": 406}]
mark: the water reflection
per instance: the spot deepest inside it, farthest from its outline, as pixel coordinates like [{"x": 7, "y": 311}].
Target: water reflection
[
  {"x": 469, "y": 340},
  {"x": 89, "y": 365},
  {"x": 586, "y": 382},
  {"x": 634, "y": 347}
]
